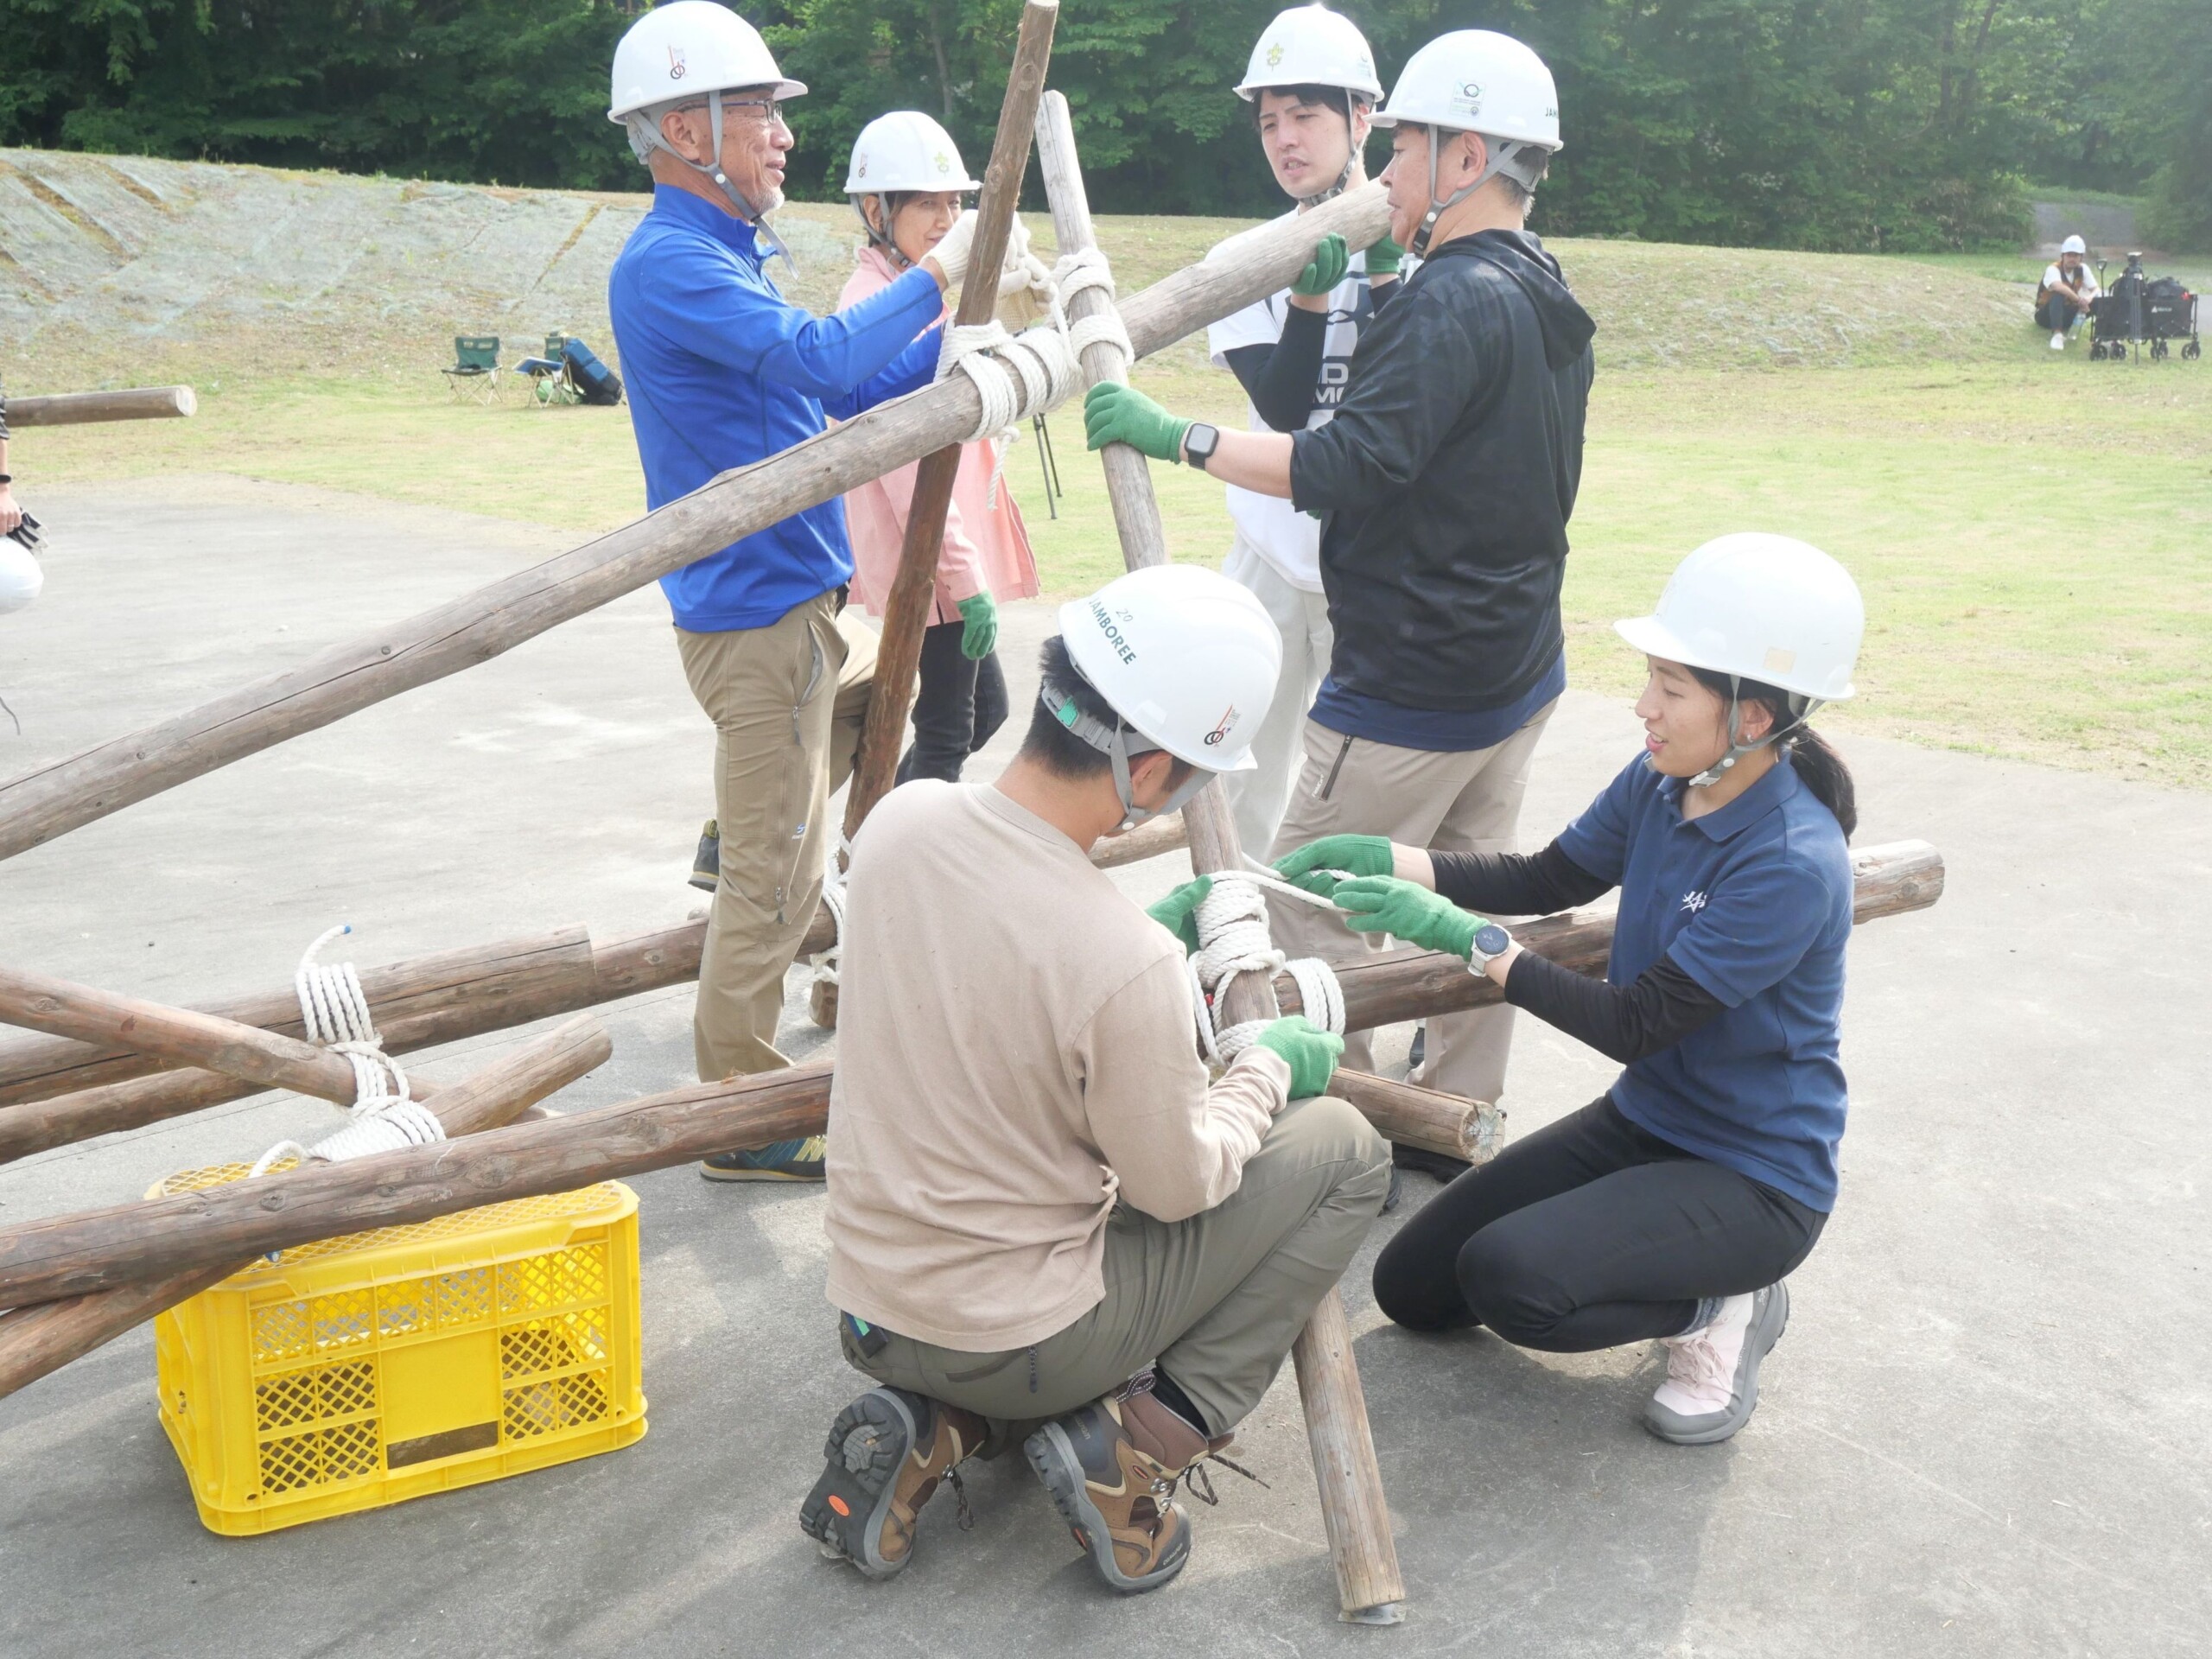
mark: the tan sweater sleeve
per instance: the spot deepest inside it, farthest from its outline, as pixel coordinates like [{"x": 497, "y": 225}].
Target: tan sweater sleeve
[{"x": 1177, "y": 1144}]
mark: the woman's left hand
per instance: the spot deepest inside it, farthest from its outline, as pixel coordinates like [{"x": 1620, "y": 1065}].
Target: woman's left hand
[{"x": 1383, "y": 904}]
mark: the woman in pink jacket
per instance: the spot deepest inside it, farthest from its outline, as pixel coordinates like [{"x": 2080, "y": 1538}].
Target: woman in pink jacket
[{"x": 905, "y": 184}]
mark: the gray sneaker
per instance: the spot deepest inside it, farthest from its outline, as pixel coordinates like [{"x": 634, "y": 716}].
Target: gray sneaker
[{"x": 1712, "y": 1375}]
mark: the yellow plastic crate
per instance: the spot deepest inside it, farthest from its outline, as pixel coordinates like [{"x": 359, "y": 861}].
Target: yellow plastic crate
[{"x": 356, "y": 1372}]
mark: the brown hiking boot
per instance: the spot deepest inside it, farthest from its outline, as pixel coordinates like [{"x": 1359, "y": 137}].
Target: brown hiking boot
[
  {"x": 1110, "y": 1467},
  {"x": 888, "y": 1451}
]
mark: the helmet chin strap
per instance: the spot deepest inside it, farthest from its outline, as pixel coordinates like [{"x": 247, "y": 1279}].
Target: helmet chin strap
[
  {"x": 1503, "y": 157},
  {"x": 1113, "y": 741},
  {"x": 773, "y": 246},
  {"x": 1736, "y": 747},
  {"x": 881, "y": 239}
]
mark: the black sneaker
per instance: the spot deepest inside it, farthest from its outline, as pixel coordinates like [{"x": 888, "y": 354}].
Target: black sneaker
[
  {"x": 707, "y": 862},
  {"x": 885, "y": 1455},
  {"x": 1422, "y": 1161}
]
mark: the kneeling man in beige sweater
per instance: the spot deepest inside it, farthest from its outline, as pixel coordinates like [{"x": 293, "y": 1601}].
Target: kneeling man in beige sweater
[{"x": 1045, "y": 1219}]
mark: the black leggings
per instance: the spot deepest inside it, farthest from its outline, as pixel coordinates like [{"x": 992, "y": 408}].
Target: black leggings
[
  {"x": 960, "y": 705},
  {"x": 1589, "y": 1234}
]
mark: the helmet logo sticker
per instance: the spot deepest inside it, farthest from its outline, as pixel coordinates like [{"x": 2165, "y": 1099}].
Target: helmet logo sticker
[
  {"x": 1274, "y": 55},
  {"x": 675, "y": 66},
  {"x": 1228, "y": 724},
  {"x": 1114, "y": 636},
  {"x": 859, "y": 167},
  {"x": 1779, "y": 660},
  {"x": 944, "y": 162}
]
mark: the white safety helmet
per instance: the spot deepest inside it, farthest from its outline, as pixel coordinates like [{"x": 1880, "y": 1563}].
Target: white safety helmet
[
  {"x": 1187, "y": 658},
  {"x": 687, "y": 49},
  {"x": 903, "y": 151},
  {"x": 1311, "y": 46},
  {"x": 22, "y": 577},
  {"x": 1476, "y": 80},
  {"x": 2073, "y": 245},
  {"x": 1763, "y": 607}
]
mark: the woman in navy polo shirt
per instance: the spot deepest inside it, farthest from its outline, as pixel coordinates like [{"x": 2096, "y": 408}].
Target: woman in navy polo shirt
[{"x": 1674, "y": 1206}]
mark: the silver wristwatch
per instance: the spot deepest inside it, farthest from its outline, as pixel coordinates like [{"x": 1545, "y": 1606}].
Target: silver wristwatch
[{"x": 1490, "y": 943}]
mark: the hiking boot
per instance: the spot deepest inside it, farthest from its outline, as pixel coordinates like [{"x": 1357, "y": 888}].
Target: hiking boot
[
  {"x": 786, "y": 1160},
  {"x": 1712, "y": 1375},
  {"x": 1111, "y": 1467},
  {"x": 887, "y": 1452},
  {"x": 707, "y": 862}
]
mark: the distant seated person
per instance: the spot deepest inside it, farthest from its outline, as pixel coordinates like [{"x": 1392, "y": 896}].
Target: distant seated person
[
  {"x": 1048, "y": 1225},
  {"x": 2062, "y": 298}
]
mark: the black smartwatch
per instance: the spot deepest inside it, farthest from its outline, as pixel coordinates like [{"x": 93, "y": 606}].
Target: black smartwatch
[{"x": 1199, "y": 443}]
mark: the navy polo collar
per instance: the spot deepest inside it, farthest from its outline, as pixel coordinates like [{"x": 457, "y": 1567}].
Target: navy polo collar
[
  {"x": 703, "y": 215},
  {"x": 1768, "y": 795}
]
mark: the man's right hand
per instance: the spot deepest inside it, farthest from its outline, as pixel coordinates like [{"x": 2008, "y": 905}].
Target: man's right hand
[
  {"x": 10, "y": 514},
  {"x": 1356, "y": 854},
  {"x": 1309, "y": 1052},
  {"x": 1178, "y": 912}
]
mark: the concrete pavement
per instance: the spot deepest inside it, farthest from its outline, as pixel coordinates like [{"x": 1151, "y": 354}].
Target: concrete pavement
[{"x": 1984, "y": 1434}]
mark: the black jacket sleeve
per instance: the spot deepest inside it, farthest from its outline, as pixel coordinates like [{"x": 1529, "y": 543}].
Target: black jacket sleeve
[
  {"x": 1622, "y": 1022},
  {"x": 1281, "y": 379},
  {"x": 1514, "y": 884}
]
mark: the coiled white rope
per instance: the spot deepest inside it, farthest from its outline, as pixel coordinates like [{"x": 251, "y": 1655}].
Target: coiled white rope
[
  {"x": 1017, "y": 376},
  {"x": 1233, "y": 940},
  {"x": 385, "y": 1115}
]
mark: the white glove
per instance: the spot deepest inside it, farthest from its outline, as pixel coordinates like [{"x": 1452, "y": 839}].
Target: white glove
[
  {"x": 1022, "y": 271},
  {"x": 952, "y": 251}
]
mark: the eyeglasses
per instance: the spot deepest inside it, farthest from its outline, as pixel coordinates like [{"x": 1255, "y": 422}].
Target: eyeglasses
[{"x": 771, "y": 110}]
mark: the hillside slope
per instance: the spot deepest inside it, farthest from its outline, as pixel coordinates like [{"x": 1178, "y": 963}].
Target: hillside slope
[{"x": 113, "y": 264}]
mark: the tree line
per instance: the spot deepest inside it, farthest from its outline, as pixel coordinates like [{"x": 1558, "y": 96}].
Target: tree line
[{"x": 1838, "y": 124}]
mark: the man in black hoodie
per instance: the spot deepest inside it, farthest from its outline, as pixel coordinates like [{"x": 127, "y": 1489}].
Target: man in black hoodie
[{"x": 1444, "y": 485}]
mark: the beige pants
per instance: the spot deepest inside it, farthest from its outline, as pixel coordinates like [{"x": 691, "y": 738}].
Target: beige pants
[
  {"x": 787, "y": 702},
  {"x": 1467, "y": 802},
  {"x": 1257, "y": 798},
  {"x": 1215, "y": 1300}
]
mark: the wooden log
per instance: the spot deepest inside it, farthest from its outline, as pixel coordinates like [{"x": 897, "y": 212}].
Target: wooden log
[
  {"x": 56, "y": 1091},
  {"x": 1411, "y": 1115},
  {"x": 52, "y": 799},
  {"x": 1369, "y": 1588},
  {"x": 76, "y": 408},
  {"x": 432, "y": 998},
  {"x": 177, "y": 1035},
  {"x": 913, "y": 599},
  {"x": 41, "y": 1339}
]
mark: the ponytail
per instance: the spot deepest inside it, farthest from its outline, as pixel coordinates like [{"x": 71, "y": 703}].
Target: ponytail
[{"x": 1819, "y": 767}]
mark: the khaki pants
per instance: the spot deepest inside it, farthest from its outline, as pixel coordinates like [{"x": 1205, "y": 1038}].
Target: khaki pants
[
  {"x": 1464, "y": 802},
  {"x": 787, "y": 702},
  {"x": 1257, "y": 798},
  {"x": 1215, "y": 1300}
]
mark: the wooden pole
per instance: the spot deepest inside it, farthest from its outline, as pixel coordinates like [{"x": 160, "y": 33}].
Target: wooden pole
[
  {"x": 1369, "y": 1588},
  {"x": 50, "y": 800},
  {"x": 914, "y": 591},
  {"x": 54, "y": 1091},
  {"x": 76, "y": 408},
  {"x": 41, "y": 1339},
  {"x": 1892, "y": 880}
]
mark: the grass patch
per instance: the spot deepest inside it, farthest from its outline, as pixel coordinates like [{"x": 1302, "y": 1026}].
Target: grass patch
[{"x": 2034, "y": 534}]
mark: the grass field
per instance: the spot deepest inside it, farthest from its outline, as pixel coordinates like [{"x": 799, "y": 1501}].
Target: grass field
[{"x": 2033, "y": 533}]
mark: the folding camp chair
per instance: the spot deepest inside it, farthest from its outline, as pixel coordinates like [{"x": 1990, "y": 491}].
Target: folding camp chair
[
  {"x": 550, "y": 381},
  {"x": 475, "y": 371}
]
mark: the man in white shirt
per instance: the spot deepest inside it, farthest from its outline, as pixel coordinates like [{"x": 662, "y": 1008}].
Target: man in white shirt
[
  {"x": 1311, "y": 84},
  {"x": 2063, "y": 300}
]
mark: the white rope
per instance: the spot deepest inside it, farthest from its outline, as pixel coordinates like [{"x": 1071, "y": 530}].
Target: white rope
[
  {"x": 1233, "y": 940},
  {"x": 385, "y": 1115},
  {"x": 1018, "y": 375}
]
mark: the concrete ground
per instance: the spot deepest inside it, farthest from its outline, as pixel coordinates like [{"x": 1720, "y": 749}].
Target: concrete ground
[{"x": 1983, "y": 1435}]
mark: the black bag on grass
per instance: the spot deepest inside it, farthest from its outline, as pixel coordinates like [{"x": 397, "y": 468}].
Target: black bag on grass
[{"x": 599, "y": 384}]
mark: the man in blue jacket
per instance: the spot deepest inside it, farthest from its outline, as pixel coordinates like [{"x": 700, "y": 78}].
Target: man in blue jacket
[{"x": 723, "y": 371}]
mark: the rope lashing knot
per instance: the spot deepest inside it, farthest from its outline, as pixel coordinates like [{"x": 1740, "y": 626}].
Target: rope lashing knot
[
  {"x": 1233, "y": 940},
  {"x": 1018, "y": 375},
  {"x": 384, "y": 1116}
]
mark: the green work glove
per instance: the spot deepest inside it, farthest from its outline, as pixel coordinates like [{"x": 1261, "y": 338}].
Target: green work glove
[
  {"x": 1361, "y": 854},
  {"x": 1310, "y": 1051},
  {"x": 1113, "y": 413},
  {"x": 980, "y": 637},
  {"x": 1384, "y": 257},
  {"x": 1327, "y": 269},
  {"x": 1383, "y": 904},
  {"x": 1178, "y": 912}
]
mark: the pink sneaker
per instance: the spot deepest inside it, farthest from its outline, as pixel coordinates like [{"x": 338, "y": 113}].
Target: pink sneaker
[{"x": 1712, "y": 1374}]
